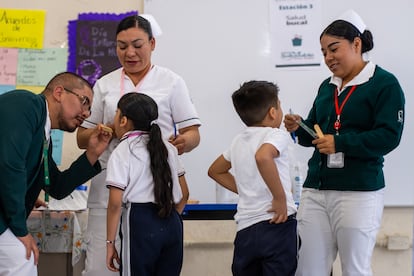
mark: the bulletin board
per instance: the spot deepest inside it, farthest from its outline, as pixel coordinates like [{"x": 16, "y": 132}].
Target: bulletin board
[
  {"x": 216, "y": 45},
  {"x": 54, "y": 48}
]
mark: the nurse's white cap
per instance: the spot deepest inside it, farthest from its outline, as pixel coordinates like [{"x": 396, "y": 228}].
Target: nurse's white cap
[
  {"x": 352, "y": 17},
  {"x": 155, "y": 27}
]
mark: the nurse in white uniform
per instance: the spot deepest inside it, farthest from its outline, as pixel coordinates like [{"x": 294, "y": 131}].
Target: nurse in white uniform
[{"x": 177, "y": 118}]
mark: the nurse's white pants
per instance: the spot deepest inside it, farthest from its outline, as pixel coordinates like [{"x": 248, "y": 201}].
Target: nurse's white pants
[
  {"x": 13, "y": 260},
  {"x": 332, "y": 222},
  {"x": 95, "y": 238}
]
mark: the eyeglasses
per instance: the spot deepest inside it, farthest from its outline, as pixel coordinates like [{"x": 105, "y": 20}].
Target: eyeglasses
[{"x": 86, "y": 103}]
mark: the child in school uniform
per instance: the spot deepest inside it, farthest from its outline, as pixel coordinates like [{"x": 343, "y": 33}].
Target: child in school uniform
[
  {"x": 142, "y": 176},
  {"x": 256, "y": 166}
]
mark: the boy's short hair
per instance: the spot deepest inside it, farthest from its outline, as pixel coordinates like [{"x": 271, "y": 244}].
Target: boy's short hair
[{"x": 253, "y": 100}]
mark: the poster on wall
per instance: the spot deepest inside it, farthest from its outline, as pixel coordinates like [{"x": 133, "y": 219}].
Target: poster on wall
[
  {"x": 37, "y": 67},
  {"x": 295, "y": 27},
  {"x": 92, "y": 44},
  {"x": 22, "y": 28},
  {"x": 8, "y": 69}
]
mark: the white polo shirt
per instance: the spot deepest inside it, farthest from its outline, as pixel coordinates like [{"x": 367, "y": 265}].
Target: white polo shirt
[
  {"x": 129, "y": 170},
  {"x": 255, "y": 198}
]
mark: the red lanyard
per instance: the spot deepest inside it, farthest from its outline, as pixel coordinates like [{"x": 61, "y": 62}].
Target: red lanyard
[{"x": 338, "y": 109}]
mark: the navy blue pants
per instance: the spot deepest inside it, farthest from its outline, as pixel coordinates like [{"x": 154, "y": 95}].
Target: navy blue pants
[
  {"x": 156, "y": 244},
  {"x": 266, "y": 249}
]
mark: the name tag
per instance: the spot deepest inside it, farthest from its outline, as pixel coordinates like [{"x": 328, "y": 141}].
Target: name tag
[{"x": 336, "y": 160}]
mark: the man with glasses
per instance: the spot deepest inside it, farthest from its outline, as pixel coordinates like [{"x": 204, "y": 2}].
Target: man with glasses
[
  {"x": 86, "y": 103},
  {"x": 26, "y": 162}
]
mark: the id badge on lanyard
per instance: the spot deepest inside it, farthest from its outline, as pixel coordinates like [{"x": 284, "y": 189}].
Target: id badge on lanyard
[{"x": 337, "y": 160}]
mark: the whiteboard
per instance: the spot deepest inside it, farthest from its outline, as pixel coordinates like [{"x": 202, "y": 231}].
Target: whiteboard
[{"x": 216, "y": 45}]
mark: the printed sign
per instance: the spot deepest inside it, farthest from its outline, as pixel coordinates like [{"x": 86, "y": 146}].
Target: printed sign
[{"x": 22, "y": 28}]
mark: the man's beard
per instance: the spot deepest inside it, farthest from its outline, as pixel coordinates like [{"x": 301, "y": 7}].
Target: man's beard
[{"x": 63, "y": 125}]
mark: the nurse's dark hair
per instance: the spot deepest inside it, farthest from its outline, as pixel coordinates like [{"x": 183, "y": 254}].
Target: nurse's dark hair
[
  {"x": 344, "y": 29},
  {"x": 143, "y": 111},
  {"x": 135, "y": 21},
  {"x": 253, "y": 100}
]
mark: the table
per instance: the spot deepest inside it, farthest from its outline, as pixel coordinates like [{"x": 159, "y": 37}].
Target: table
[
  {"x": 209, "y": 211},
  {"x": 59, "y": 231}
]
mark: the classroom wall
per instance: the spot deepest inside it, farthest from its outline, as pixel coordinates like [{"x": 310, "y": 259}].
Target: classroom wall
[
  {"x": 208, "y": 249},
  {"x": 58, "y": 14}
]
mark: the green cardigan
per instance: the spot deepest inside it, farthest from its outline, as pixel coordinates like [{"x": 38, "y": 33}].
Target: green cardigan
[
  {"x": 21, "y": 168},
  {"x": 372, "y": 122}
]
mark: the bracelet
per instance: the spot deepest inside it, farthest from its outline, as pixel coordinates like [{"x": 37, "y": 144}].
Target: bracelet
[{"x": 110, "y": 242}]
